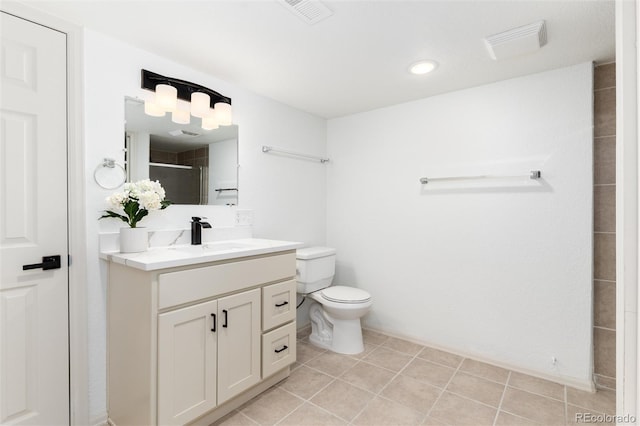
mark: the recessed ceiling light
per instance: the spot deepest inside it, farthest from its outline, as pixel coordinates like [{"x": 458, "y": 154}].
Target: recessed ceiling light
[{"x": 423, "y": 67}]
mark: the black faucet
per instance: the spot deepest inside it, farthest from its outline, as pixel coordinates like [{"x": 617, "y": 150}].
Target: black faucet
[{"x": 196, "y": 229}]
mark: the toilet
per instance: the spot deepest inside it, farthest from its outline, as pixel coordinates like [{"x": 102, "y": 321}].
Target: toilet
[{"x": 336, "y": 310}]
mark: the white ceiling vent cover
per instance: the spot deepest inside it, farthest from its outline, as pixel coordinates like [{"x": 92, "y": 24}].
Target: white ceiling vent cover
[
  {"x": 518, "y": 41},
  {"x": 182, "y": 132},
  {"x": 310, "y": 11}
]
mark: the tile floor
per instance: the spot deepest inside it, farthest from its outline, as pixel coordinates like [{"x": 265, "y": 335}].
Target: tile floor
[{"x": 396, "y": 382}]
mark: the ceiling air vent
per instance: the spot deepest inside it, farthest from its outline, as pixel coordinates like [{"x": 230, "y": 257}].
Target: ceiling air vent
[
  {"x": 310, "y": 11},
  {"x": 517, "y": 41},
  {"x": 181, "y": 132}
]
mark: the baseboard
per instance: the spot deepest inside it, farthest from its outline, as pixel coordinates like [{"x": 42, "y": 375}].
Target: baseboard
[
  {"x": 588, "y": 386},
  {"x": 102, "y": 420}
]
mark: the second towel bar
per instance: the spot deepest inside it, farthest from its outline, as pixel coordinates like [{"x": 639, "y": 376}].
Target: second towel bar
[{"x": 533, "y": 174}]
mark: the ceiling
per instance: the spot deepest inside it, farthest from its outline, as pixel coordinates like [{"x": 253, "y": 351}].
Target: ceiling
[{"x": 356, "y": 60}]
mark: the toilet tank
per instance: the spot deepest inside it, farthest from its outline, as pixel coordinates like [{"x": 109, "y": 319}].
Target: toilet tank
[{"x": 315, "y": 268}]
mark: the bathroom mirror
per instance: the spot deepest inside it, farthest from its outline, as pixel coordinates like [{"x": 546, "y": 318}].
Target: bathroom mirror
[{"x": 194, "y": 166}]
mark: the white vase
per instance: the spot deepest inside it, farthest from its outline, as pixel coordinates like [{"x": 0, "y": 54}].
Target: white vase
[{"x": 133, "y": 240}]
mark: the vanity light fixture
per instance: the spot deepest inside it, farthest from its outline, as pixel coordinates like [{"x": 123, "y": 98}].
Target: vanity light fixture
[
  {"x": 423, "y": 67},
  {"x": 213, "y": 108}
]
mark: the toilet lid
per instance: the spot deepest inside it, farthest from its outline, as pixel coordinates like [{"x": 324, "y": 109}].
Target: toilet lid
[{"x": 342, "y": 294}]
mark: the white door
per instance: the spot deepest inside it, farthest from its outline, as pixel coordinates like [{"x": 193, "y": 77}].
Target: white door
[
  {"x": 187, "y": 363},
  {"x": 238, "y": 343},
  {"x": 34, "y": 362}
]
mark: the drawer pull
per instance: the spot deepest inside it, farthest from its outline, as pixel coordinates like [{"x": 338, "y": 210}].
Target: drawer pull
[
  {"x": 213, "y": 327},
  {"x": 278, "y": 305},
  {"x": 226, "y": 318},
  {"x": 283, "y": 348}
]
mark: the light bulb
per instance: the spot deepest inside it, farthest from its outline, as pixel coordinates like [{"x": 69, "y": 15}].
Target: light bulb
[
  {"x": 153, "y": 109},
  {"x": 423, "y": 67},
  {"x": 223, "y": 111},
  {"x": 166, "y": 97},
  {"x": 200, "y": 104},
  {"x": 210, "y": 121},
  {"x": 180, "y": 117}
]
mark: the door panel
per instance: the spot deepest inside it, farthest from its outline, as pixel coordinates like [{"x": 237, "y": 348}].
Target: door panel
[
  {"x": 186, "y": 363},
  {"x": 238, "y": 343},
  {"x": 34, "y": 363}
]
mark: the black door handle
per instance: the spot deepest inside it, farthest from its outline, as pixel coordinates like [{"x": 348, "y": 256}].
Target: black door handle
[
  {"x": 278, "y": 305},
  {"x": 226, "y": 318},
  {"x": 48, "y": 262},
  {"x": 213, "y": 326}
]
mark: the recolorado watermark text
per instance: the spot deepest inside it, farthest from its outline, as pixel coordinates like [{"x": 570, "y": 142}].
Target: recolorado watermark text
[{"x": 605, "y": 418}]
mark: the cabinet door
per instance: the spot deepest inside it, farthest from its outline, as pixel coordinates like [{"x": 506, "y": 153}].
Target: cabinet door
[
  {"x": 186, "y": 363},
  {"x": 238, "y": 343}
]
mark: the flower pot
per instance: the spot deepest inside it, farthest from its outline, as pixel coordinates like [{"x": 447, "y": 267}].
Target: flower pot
[{"x": 133, "y": 240}]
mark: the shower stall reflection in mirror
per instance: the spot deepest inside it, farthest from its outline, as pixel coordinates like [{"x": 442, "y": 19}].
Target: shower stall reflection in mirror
[{"x": 184, "y": 183}]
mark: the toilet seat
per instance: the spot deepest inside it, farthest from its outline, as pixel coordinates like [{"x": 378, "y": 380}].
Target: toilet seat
[{"x": 343, "y": 294}]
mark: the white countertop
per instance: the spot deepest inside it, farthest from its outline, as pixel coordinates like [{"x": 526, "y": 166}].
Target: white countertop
[{"x": 172, "y": 256}]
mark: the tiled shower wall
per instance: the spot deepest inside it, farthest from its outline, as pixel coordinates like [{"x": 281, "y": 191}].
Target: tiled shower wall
[{"x": 604, "y": 225}]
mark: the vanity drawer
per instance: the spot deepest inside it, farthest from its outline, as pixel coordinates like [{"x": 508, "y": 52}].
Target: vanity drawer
[
  {"x": 278, "y": 349},
  {"x": 278, "y": 304},
  {"x": 180, "y": 287}
]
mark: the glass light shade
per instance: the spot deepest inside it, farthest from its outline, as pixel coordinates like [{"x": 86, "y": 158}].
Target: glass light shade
[
  {"x": 166, "y": 97},
  {"x": 210, "y": 121},
  {"x": 180, "y": 116},
  {"x": 200, "y": 104},
  {"x": 153, "y": 109},
  {"x": 223, "y": 111}
]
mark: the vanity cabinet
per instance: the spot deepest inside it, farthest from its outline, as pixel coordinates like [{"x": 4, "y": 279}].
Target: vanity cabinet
[{"x": 190, "y": 344}]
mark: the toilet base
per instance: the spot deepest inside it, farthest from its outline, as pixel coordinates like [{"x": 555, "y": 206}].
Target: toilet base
[{"x": 337, "y": 335}]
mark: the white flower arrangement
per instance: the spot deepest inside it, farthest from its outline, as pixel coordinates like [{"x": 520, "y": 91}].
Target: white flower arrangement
[{"x": 137, "y": 200}]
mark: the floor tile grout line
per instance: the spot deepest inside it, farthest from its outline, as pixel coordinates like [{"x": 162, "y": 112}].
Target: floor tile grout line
[
  {"x": 347, "y": 383},
  {"x": 424, "y": 416},
  {"x": 379, "y": 393},
  {"x": 444, "y": 389},
  {"x": 478, "y": 376},
  {"x": 504, "y": 392},
  {"x": 297, "y": 406},
  {"x": 365, "y": 405},
  {"x": 247, "y": 417},
  {"x": 308, "y": 401},
  {"x": 540, "y": 394},
  {"x": 566, "y": 406}
]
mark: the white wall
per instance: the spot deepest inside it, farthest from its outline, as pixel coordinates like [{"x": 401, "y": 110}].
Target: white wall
[
  {"x": 499, "y": 270},
  {"x": 287, "y": 195}
]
